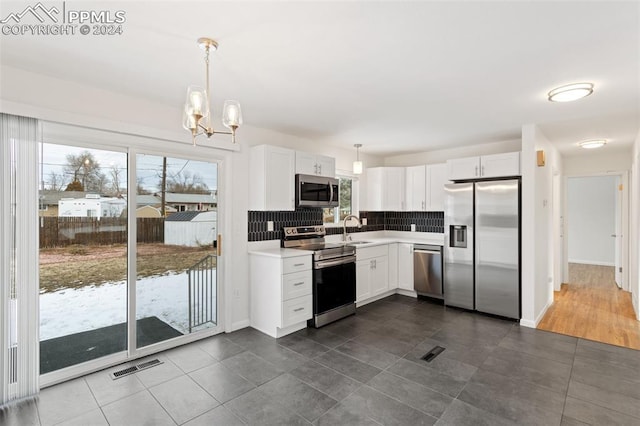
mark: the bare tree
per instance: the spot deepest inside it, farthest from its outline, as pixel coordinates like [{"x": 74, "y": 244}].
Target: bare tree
[
  {"x": 86, "y": 169},
  {"x": 116, "y": 174},
  {"x": 55, "y": 181},
  {"x": 187, "y": 183}
]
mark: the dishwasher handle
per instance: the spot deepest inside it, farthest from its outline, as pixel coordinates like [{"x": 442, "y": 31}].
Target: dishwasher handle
[{"x": 426, "y": 251}]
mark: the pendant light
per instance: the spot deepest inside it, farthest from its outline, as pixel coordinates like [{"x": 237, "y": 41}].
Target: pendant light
[
  {"x": 196, "y": 116},
  {"x": 357, "y": 165}
]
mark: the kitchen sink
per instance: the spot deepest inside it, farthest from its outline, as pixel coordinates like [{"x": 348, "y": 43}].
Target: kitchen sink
[{"x": 355, "y": 243}]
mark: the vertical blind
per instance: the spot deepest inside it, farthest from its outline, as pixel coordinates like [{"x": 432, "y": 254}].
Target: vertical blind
[{"x": 19, "y": 316}]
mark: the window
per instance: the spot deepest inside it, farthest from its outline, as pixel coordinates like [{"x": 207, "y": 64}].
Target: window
[{"x": 347, "y": 201}]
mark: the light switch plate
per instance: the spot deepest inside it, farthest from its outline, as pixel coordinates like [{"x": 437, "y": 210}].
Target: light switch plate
[{"x": 269, "y": 225}]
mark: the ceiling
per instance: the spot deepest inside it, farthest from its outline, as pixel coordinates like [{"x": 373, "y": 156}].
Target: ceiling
[{"x": 395, "y": 76}]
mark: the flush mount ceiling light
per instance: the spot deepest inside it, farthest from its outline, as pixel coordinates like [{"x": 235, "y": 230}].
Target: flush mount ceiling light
[
  {"x": 357, "y": 165},
  {"x": 592, "y": 144},
  {"x": 197, "y": 115},
  {"x": 570, "y": 92}
]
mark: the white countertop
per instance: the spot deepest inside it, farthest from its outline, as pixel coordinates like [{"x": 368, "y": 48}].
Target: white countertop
[
  {"x": 281, "y": 252},
  {"x": 272, "y": 249}
]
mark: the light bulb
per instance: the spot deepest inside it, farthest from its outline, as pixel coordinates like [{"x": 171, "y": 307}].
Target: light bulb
[{"x": 232, "y": 114}]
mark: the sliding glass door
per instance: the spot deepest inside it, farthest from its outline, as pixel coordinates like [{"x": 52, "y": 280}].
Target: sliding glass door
[
  {"x": 83, "y": 255},
  {"x": 176, "y": 264},
  {"x": 86, "y": 212}
]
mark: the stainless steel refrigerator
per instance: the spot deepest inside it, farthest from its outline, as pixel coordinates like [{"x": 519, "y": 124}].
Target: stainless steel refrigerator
[{"x": 482, "y": 247}]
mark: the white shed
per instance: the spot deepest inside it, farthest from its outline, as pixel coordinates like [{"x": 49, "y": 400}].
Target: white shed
[{"x": 191, "y": 229}]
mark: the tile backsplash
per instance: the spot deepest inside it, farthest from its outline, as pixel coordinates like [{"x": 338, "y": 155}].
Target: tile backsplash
[{"x": 376, "y": 221}]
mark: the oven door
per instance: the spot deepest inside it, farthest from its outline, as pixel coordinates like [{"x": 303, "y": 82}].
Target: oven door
[
  {"x": 334, "y": 284},
  {"x": 316, "y": 191}
]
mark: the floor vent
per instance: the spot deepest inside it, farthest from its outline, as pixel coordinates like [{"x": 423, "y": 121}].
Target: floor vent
[
  {"x": 135, "y": 368},
  {"x": 429, "y": 356}
]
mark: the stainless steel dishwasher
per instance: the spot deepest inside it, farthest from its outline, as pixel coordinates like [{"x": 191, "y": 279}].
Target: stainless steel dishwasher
[{"x": 427, "y": 270}]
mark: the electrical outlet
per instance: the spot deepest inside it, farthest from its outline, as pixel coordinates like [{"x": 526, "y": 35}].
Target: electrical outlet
[
  {"x": 413, "y": 227},
  {"x": 364, "y": 221},
  {"x": 269, "y": 225}
]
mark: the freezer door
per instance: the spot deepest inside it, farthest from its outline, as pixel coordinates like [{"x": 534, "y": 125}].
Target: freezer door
[
  {"x": 458, "y": 246},
  {"x": 498, "y": 248}
]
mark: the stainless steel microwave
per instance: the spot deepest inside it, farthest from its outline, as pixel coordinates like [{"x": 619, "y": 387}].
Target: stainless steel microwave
[{"x": 316, "y": 191}]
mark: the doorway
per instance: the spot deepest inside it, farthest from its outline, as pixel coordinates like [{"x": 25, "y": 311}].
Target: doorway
[
  {"x": 128, "y": 255},
  {"x": 592, "y": 301}
]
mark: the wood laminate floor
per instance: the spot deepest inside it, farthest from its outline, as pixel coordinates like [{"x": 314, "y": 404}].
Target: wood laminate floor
[{"x": 592, "y": 306}]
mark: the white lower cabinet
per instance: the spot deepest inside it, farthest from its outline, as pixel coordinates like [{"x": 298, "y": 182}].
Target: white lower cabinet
[
  {"x": 363, "y": 288},
  {"x": 281, "y": 293},
  {"x": 405, "y": 266},
  {"x": 379, "y": 275},
  {"x": 393, "y": 266},
  {"x": 372, "y": 272}
]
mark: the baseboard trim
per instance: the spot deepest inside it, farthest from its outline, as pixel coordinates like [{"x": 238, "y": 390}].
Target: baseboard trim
[
  {"x": 534, "y": 324},
  {"x": 591, "y": 262},
  {"x": 239, "y": 325},
  {"x": 636, "y": 306}
]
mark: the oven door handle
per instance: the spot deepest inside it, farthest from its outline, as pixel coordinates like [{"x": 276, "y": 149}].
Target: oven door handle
[{"x": 334, "y": 262}]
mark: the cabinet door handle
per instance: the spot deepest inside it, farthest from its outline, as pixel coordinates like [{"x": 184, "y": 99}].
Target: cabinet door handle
[
  {"x": 298, "y": 264},
  {"x": 482, "y": 171},
  {"x": 297, "y": 284},
  {"x": 315, "y": 168},
  {"x": 476, "y": 174},
  {"x": 298, "y": 310}
]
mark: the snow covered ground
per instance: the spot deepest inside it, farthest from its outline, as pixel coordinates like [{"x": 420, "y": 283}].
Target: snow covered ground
[{"x": 72, "y": 311}]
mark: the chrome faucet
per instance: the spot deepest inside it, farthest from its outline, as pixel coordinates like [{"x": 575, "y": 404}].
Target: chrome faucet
[{"x": 344, "y": 226}]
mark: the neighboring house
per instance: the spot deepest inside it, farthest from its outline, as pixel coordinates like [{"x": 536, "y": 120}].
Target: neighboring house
[
  {"x": 148, "y": 211},
  {"x": 190, "y": 229},
  {"x": 189, "y": 202},
  {"x": 92, "y": 205},
  {"x": 48, "y": 200}
]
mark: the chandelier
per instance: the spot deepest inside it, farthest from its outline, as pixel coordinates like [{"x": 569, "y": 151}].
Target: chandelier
[{"x": 196, "y": 116}]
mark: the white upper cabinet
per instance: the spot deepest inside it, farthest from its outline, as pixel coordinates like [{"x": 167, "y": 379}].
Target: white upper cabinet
[
  {"x": 500, "y": 165},
  {"x": 486, "y": 166},
  {"x": 425, "y": 187},
  {"x": 311, "y": 164},
  {"x": 436, "y": 179},
  {"x": 416, "y": 188},
  {"x": 386, "y": 189},
  {"x": 271, "y": 177}
]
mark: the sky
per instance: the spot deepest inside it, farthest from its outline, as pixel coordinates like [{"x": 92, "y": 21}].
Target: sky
[{"x": 149, "y": 167}]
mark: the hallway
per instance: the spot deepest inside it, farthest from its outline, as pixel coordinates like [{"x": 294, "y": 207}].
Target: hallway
[{"x": 592, "y": 307}]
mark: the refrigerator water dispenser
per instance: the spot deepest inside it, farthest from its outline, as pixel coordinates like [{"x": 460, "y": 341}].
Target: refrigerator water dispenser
[{"x": 458, "y": 236}]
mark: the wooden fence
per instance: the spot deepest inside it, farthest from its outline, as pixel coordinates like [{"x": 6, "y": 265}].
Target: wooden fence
[{"x": 64, "y": 231}]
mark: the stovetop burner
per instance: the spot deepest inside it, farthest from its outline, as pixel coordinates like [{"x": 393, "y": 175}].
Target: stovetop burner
[{"x": 312, "y": 239}]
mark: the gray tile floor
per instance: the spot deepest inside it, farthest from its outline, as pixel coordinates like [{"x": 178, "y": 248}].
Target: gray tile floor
[{"x": 363, "y": 370}]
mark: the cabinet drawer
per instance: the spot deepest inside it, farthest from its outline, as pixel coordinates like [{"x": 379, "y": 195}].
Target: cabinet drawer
[
  {"x": 371, "y": 252},
  {"x": 296, "y": 285},
  {"x": 296, "y": 310},
  {"x": 296, "y": 264}
]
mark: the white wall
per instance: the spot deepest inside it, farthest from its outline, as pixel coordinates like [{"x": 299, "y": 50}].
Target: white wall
[
  {"x": 604, "y": 162},
  {"x": 591, "y": 219},
  {"x": 441, "y": 156},
  {"x": 634, "y": 228},
  {"x": 537, "y": 224},
  {"x": 47, "y": 98}
]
